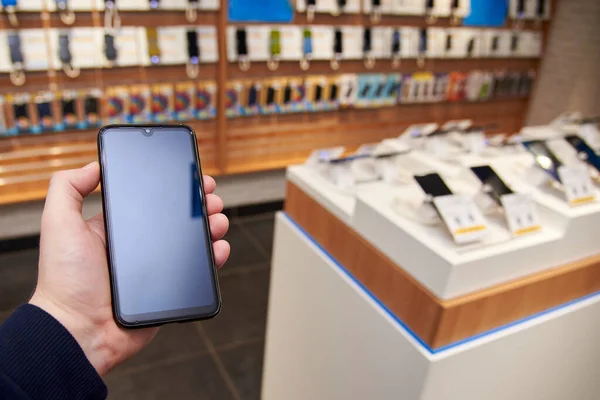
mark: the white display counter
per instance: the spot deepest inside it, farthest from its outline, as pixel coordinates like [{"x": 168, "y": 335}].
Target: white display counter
[{"x": 328, "y": 338}]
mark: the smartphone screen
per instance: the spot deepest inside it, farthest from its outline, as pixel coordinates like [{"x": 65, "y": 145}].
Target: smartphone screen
[
  {"x": 544, "y": 157},
  {"x": 160, "y": 253},
  {"x": 583, "y": 148},
  {"x": 433, "y": 185},
  {"x": 493, "y": 184}
]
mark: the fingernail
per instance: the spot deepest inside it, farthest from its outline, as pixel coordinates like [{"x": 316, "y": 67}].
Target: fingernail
[{"x": 90, "y": 165}]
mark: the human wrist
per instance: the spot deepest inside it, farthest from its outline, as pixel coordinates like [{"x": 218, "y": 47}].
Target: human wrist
[{"x": 85, "y": 332}]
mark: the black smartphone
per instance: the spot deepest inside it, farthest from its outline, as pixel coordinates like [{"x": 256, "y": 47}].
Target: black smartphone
[
  {"x": 493, "y": 185},
  {"x": 544, "y": 157},
  {"x": 584, "y": 149},
  {"x": 367, "y": 40},
  {"x": 160, "y": 257},
  {"x": 433, "y": 185}
]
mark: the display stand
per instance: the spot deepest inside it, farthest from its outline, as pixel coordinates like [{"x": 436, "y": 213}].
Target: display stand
[{"x": 368, "y": 329}]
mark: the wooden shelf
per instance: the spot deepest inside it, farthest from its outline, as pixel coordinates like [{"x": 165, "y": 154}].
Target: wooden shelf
[
  {"x": 156, "y": 18},
  {"x": 437, "y": 65}
]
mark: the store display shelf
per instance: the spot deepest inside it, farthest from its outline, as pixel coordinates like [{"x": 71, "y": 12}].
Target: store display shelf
[
  {"x": 292, "y": 68},
  {"x": 28, "y": 161},
  {"x": 32, "y": 20}
]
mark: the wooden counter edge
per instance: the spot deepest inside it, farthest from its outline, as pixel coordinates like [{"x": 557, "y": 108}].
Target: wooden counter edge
[{"x": 437, "y": 322}]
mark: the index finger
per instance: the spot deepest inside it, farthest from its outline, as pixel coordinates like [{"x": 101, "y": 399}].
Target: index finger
[{"x": 209, "y": 184}]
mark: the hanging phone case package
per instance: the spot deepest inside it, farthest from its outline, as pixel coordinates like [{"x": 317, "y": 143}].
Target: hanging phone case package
[
  {"x": 139, "y": 104},
  {"x": 92, "y": 108},
  {"x": 348, "y": 84},
  {"x": 365, "y": 85},
  {"x": 19, "y": 113},
  {"x": 233, "y": 93},
  {"x": 294, "y": 96},
  {"x": 184, "y": 101},
  {"x": 204, "y": 100},
  {"x": 162, "y": 103},
  {"x": 3, "y": 131},
  {"x": 391, "y": 90},
  {"x": 117, "y": 105},
  {"x": 456, "y": 86},
  {"x": 316, "y": 87},
  {"x": 440, "y": 89},
  {"x": 69, "y": 106},
  {"x": 45, "y": 116},
  {"x": 250, "y": 97},
  {"x": 271, "y": 96}
]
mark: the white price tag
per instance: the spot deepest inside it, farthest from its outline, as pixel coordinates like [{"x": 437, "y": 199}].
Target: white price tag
[
  {"x": 521, "y": 213},
  {"x": 462, "y": 217},
  {"x": 577, "y": 184}
]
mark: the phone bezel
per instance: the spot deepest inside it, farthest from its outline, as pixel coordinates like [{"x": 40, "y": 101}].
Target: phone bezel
[{"x": 161, "y": 317}]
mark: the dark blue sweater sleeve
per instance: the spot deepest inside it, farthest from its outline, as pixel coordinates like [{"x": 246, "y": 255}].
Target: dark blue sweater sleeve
[{"x": 40, "y": 359}]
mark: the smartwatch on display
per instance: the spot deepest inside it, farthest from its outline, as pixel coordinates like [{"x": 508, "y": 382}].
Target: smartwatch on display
[
  {"x": 429, "y": 7},
  {"x": 241, "y": 45},
  {"x": 307, "y": 49},
  {"x": 17, "y": 72},
  {"x": 110, "y": 50},
  {"x": 493, "y": 185},
  {"x": 10, "y": 6},
  {"x": 368, "y": 48},
  {"x": 422, "y": 47},
  {"x": 375, "y": 11},
  {"x": 396, "y": 47},
  {"x": 338, "y": 49},
  {"x": 65, "y": 56},
  {"x": 192, "y": 67},
  {"x": 311, "y": 8},
  {"x": 341, "y": 4},
  {"x": 67, "y": 16},
  {"x": 274, "y": 49},
  {"x": 112, "y": 21},
  {"x": 153, "y": 49},
  {"x": 191, "y": 10}
]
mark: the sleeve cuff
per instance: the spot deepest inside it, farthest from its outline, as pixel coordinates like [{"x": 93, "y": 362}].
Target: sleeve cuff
[{"x": 44, "y": 360}]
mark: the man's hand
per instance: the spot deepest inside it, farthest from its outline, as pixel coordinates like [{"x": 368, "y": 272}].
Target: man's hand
[{"x": 73, "y": 284}]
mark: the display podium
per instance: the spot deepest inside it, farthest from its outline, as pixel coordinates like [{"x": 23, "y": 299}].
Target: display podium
[{"x": 366, "y": 303}]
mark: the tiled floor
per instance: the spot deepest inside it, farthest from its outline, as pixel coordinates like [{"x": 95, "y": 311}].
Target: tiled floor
[{"x": 216, "y": 359}]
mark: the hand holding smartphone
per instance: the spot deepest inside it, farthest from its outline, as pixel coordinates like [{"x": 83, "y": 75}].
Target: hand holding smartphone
[{"x": 159, "y": 248}]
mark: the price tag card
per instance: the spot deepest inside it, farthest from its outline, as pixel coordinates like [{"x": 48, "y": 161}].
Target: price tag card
[
  {"x": 462, "y": 217},
  {"x": 521, "y": 213},
  {"x": 577, "y": 184}
]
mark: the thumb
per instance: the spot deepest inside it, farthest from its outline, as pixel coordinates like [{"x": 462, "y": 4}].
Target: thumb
[{"x": 68, "y": 189}]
